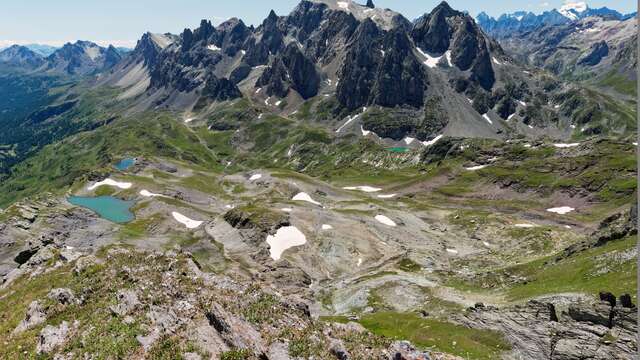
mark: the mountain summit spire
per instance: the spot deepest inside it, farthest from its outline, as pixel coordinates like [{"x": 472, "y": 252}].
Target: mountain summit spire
[{"x": 370, "y": 4}]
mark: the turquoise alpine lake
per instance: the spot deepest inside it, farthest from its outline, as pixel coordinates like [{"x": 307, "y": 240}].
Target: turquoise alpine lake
[
  {"x": 108, "y": 207},
  {"x": 124, "y": 164}
]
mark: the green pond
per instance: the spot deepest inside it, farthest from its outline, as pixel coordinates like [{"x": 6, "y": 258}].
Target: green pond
[
  {"x": 108, "y": 207},
  {"x": 398, "y": 149}
]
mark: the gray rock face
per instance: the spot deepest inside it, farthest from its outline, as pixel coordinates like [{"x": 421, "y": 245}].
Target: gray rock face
[
  {"x": 584, "y": 331},
  {"x": 127, "y": 302},
  {"x": 382, "y": 69},
  {"x": 51, "y": 337},
  {"x": 35, "y": 316},
  {"x": 236, "y": 331}
]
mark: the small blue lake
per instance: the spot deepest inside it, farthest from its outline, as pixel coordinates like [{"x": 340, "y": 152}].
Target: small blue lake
[
  {"x": 124, "y": 164},
  {"x": 108, "y": 207}
]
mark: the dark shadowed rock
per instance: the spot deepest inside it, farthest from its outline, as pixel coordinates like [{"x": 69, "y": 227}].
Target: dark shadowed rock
[
  {"x": 441, "y": 150},
  {"x": 446, "y": 29},
  {"x": 220, "y": 89},
  {"x": 608, "y": 297},
  {"x": 292, "y": 70},
  {"x": 381, "y": 69},
  {"x": 431, "y": 32},
  {"x": 599, "y": 50},
  {"x": 240, "y": 73},
  {"x": 400, "y": 79},
  {"x": 600, "y": 314},
  {"x": 360, "y": 67},
  {"x": 271, "y": 37},
  {"x": 626, "y": 302}
]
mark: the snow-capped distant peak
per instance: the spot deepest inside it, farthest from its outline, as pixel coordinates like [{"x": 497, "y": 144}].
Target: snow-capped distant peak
[{"x": 571, "y": 9}]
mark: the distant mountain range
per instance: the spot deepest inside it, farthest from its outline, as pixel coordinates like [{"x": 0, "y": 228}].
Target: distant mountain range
[
  {"x": 576, "y": 42},
  {"x": 507, "y": 24},
  {"x": 44, "y": 50},
  {"x": 79, "y": 58}
]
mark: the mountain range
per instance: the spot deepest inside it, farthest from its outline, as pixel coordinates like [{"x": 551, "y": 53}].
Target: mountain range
[
  {"x": 593, "y": 46},
  {"x": 522, "y": 21},
  {"x": 79, "y": 58}
]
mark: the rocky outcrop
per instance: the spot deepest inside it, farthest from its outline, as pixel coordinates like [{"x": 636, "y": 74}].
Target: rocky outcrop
[
  {"x": 597, "y": 52},
  {"x": 255, "y": 223},
  {"x": 53, "y": 336},
  {"x": 35, "y": 316},
  {"x": 62, "y": 296},
  {"x": 613, "y": 228},
  {"x": 380, "y": 68},
  {"x": 168, "y": 296},
  {"x": 432, "y": 32},
  {"x": 447, "y": 147},
  {"x": 220, "y": 89},
  {"x": 360, "y": 67},
  {"x": 231, "y": 35},
  {"x": 127, "y": 302},
  {"x": 540, "y": 330},
  {"x": 292, "y": 70}
]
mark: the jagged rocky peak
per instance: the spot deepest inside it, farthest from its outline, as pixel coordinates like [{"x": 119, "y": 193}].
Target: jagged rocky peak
[
  {"x": 385, "y": 18},
  {"x": 380, "y": 68},
  {"x": 323, "y": 32},
  {"x": 21, "y": 56},
  {"x": 445, "y": 29},
  {"x": 231, "y": 35},
  {"x": 270, "y": 34},
  {"x": 432, "y": 32},
  {"x": 292, "y": 70},
  {"x": 150, "y": 45}
]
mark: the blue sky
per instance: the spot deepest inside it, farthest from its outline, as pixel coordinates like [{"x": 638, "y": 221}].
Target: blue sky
[{"x": 122, "y": 22}]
